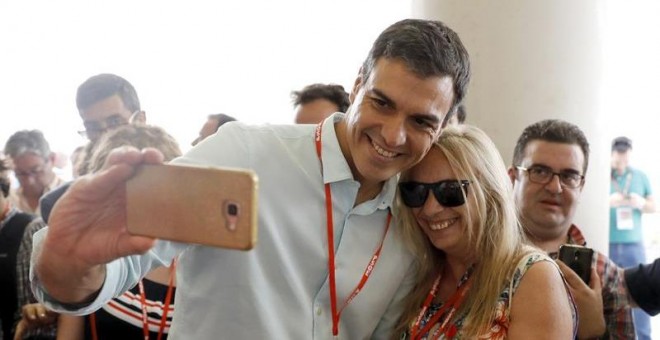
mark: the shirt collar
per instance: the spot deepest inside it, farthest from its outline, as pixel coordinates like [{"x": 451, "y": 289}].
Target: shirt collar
[
  {"x": 575, "y": 236},
  {"x": 336, "y": 168},
  {"x": 12, "y": 211}
]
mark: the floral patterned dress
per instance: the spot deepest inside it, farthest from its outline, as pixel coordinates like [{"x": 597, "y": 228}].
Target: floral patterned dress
[{"x": 500, "y": 325}]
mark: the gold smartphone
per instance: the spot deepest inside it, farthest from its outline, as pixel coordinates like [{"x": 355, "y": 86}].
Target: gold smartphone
[{"x": 208, "y": 206}]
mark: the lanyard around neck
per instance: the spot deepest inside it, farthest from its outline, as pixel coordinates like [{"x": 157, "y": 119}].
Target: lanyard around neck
[
  {"x": 331, "y": 250},
  {"x": 626, "y": 187},
  {"x": 449, "y": 308},
  {"x": 143, "y": 303}
]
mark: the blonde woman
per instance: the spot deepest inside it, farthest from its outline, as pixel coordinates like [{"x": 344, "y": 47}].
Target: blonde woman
[
  {"x": 146, "y": 310},
  {"x": 476, "y": 277}
]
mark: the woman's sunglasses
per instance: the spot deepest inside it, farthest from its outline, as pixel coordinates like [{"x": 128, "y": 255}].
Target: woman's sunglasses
[{"x": 449, "y": 193}]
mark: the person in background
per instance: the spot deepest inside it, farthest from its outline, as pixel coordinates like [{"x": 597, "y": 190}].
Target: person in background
[
  {"x": 476, "y": 276},
  {"x": 339, "y": 179},
  {"x": 106, "y": 101},
  {"x": 316, "y": 102},
  {"x": 550, "y": 161},
  {"x": 14, "y": 265},
  {"x": 33, "y": 166},
  {"x": 121, "y": 318},
  {"x": 643, "y": 284},
  {"x": 630, "y": 197},
  {"x": 76, "y": 159},
  {"x": 213, "y": 122}
]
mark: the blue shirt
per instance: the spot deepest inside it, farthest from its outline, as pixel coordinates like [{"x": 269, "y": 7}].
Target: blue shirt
[
  {"x": 279, "y": 290},
  {"x": 639, "y": 184}
]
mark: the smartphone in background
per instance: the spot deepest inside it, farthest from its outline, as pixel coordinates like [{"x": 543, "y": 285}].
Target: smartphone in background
[
  {"x": 577, "y": 258},
  {"x": 208, "y": 206}
]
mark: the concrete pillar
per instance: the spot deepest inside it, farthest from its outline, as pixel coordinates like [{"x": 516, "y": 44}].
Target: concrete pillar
[{"x": 534, "y": 60}]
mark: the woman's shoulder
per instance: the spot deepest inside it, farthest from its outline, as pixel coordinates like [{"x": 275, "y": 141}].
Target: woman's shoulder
[{"x": 529, "y": 258}]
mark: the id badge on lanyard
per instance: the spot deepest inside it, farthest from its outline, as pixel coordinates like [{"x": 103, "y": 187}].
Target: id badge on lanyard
[
  {"x": 624, "y": 215},
  {"x": 624, "y": 218}
]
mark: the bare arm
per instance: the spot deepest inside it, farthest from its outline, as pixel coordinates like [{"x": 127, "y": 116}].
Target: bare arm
[
  {"x": 88, "y": 229},
  {"x": 589, "y": 302},
  {"x": 70, "y": 327},
  {"x": 540, "y": 307}
]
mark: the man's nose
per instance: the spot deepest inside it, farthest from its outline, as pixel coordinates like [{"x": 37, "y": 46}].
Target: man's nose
[
  {"x": 554, "y": 185},
  {"x": 394, "y": 133}
]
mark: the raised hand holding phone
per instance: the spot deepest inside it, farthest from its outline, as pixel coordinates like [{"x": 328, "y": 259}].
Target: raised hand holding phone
[
  {"x": 87, "y": 229},
  {"x": 209, "y": 206}
]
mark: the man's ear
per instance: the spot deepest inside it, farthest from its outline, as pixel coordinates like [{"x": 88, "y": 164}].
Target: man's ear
[
  {"x": 512, "y": 174},
  {"x": 138, "y": 118},
  {"x": 356, "y": 87}
]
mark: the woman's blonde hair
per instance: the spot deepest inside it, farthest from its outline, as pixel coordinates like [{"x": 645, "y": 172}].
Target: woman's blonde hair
[
  {"x": 137, "y": 135},
  {"x": 493, "y": 231}
]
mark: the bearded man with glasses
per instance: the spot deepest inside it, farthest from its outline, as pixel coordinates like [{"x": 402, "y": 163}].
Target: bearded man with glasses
[{"x": 549, "y": 163}]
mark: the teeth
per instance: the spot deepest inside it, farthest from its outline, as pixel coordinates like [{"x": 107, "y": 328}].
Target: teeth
[
  {"x": 382, "y": 151},
  {"x": 442, "y": 225}
]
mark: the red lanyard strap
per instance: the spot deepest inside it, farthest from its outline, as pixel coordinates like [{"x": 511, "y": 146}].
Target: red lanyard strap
[
  {"x": 449, "y": 308},
  {"x": 331, "y": 251},
  {"x": 166, "y": 306},
  {"x": 143, "y": 302}
]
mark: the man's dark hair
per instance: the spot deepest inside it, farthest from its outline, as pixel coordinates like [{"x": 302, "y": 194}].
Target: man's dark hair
[
  {"x": 102, "y": 86},
  {"x": 221, "y": 118},
  {"x": 460, "y": 114},
  {"x": 331, "y": 92},
  {"x": 429, "y": 48},
  {"x": 621, "y": 144},
  {"x": 551, "y": 130},
  {"x": 4, "y": 180}
]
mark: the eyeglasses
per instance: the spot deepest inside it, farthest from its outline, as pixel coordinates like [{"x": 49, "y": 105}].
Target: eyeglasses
[
  {"x": 94, "y": 129},
  {"x": 543, "y": 175},
  {"x": 450, "y": 193},
  {"x": 34, "y": 172}
]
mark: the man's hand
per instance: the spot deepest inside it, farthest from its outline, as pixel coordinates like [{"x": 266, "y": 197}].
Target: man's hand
[
  {"x": 637, "y": 201},
  {"x": 33, "y": 315},
  {"x": 617, "y": 200},
  {"x": 589, "y": 301},
  {"x": 36, "y": 315},
  {"x": 87, "y": 229}
]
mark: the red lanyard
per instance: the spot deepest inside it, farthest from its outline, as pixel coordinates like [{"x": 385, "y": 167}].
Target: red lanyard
[
  {"x": 143, "y": 302},
  {"x": 451, "y": 305},
  {"x": 331, "y": 251}
]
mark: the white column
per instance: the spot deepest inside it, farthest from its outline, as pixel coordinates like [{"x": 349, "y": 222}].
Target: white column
[{"x": 533, "y": 60}]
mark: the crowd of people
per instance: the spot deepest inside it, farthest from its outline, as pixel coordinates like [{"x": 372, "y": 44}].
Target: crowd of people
[{"x": 400, "y": 221}]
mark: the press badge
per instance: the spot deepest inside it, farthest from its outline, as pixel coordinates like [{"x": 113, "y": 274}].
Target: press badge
[{"x": 624, "y": 218}]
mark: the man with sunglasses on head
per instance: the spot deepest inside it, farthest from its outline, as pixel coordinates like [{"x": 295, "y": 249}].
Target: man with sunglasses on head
[
  {"x": 548, "y": 173},
  {"x": 328, "y": 262},
  {"x": 105, "y": 101}
]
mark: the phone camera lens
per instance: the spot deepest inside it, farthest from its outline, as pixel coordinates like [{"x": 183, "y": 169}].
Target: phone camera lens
[{"x": 232, "y": 209}]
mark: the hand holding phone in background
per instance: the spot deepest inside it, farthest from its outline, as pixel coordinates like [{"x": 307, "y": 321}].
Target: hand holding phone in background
[
  {"x": 575, "y": 263},
  {"x": 577, "y": 258}
]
